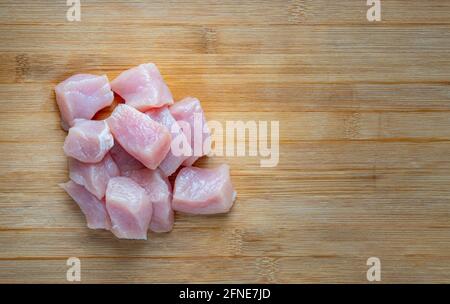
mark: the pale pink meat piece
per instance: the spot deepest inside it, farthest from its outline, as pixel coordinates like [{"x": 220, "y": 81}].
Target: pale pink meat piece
[
  {"x": 143, "y": 138},
  {"x": 142, "y": 87},
  {"x": 189, "y": 115},
  {"x": 124, "y": 160},
  {"x": 180, "y": 148},
  {"x": 81, "y": 96},
  {"x": 203, "y": 191},
  {"x": 94, "y": 177},
  {"x": 129, "y": 208},
  {"x": 159, "y": 191},
  {"x": 93, "y": 209},
  {"x": 88, "y": 140}
]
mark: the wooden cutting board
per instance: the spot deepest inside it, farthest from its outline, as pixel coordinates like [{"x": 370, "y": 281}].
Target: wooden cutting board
[{"x": 364, "y": 112}]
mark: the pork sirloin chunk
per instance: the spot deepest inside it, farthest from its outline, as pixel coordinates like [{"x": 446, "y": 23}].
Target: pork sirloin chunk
[
  {"x": 94, "y": 210},
  {"x": 203, "y": 191},
  {"x": 88, "y": 141},
  {"x": 143, "y": 138},
  {"x": 189, "y": 114},
  {"x": 129, "y": 208},
  {"x": 124, "y": 160},
  {"x": 94, "y": 177},
  {"x": 81, "y": 96},
  {"x": 159, "y": 190},
  {"x": 142, "y": 87},
  {"x": 180, "y": 149}
]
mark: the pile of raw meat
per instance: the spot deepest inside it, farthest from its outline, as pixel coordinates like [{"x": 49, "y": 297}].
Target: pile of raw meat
[{"x": 119, "y": 167}]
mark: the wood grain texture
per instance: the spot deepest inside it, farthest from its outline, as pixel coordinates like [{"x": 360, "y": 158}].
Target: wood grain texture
[{"x": 364, "y": 112}]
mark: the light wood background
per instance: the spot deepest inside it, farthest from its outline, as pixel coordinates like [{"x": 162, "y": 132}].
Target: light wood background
[{"x": 364, "y": 111}]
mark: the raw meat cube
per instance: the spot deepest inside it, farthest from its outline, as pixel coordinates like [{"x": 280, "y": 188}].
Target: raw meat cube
[
  {"x": 129, "y": 208},
  {"x": 94, "y": 177},
  {"x": 159, "y": 191},
  {"x": 124, "y": 160},
  {"x": 88, "y": 140},
  {"x": 189, "y": 114},
  {"x": 142, "y": 87},
  {"x": 203, "y": 191},
  {"x": 81, "y": 96},
  {"x": 180, "y": 148},
  {"x": 142, "y": 137},
  {"x": 94, "y": 210}
]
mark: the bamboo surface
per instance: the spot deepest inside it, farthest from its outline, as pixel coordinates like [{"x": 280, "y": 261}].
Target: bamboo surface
[{"x": 364, "y": 112}]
